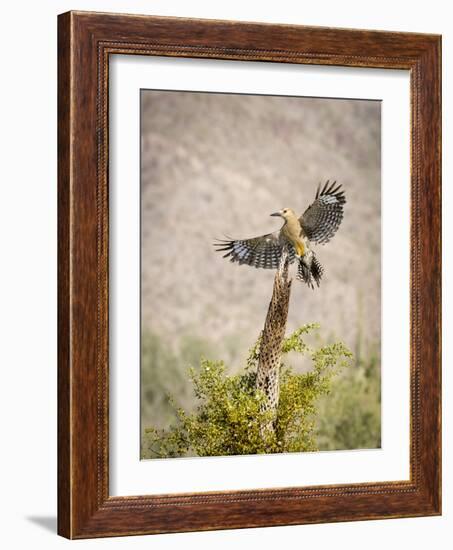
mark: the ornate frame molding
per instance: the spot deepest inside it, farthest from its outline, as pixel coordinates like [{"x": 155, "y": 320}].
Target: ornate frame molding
[{"x": 85, "y": 41}]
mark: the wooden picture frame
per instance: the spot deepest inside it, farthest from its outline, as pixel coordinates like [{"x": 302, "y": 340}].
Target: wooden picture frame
[{"x": 85, "y": 42}]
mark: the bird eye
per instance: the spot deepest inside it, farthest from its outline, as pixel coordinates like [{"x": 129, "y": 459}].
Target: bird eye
[{"x": 285, "y": 211}]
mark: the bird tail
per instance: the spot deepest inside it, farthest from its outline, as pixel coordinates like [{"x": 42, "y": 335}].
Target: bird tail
[{"x": 309, "y": 270}]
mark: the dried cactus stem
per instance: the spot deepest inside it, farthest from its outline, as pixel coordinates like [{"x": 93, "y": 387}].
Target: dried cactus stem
[{"x": 270, "y": 350}]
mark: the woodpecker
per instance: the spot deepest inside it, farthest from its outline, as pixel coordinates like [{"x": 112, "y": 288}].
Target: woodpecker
[{"x": 317, "y": 225}]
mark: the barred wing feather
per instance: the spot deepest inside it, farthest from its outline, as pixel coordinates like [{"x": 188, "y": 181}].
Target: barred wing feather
[
  {"x": 264, "y": 251},
  {"x": 323, "y": 217}
]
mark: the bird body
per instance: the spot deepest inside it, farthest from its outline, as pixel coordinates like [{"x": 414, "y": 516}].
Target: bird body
[
  {"x": 292, "y": 230},
  {"x": 318, "y": 224}
]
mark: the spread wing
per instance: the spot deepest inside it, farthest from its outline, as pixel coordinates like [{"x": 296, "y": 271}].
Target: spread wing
[
  {"x": 323, "y": 217},
  {"x": 264, "y": 251}
]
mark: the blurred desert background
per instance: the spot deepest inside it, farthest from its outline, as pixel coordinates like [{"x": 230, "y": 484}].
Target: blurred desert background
[{"x": 219, "y": 164}]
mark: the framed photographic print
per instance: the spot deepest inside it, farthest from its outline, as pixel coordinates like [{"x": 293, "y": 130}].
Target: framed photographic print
[{"x": 249, "y": 275}]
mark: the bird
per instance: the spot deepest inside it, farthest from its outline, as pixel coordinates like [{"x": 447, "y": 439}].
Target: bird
[{"x": 317, "y": 225}]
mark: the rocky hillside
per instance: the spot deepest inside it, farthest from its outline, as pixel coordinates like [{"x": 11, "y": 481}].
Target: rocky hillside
[{"x": 219, "y": 164}]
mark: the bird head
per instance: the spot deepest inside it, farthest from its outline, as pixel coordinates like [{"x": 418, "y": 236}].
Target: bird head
[{"x": 285, "y": 213}]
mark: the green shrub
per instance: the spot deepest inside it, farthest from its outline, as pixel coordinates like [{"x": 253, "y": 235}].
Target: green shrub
[
  {"x": 229, "y": 415},
  {"x": 161, "y": 373},
  {"x": 350, "y": 418}
]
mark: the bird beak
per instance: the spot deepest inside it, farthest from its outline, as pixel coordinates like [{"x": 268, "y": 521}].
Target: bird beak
[{"x": 276, "y": 214}]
